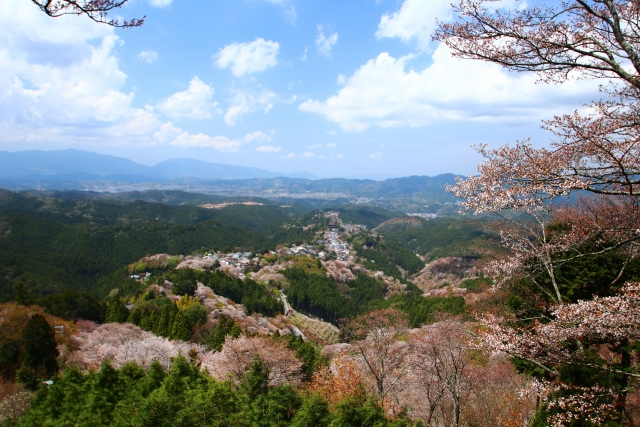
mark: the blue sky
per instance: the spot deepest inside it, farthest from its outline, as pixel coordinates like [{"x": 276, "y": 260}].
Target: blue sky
[{"x": 349, "y": 88}]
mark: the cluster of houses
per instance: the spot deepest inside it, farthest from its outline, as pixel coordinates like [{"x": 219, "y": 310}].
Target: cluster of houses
[
  {"x": 234, "y": 264},
  {"x": 354, "y": 228},
  {"x": 335, "y": 244},
  {"x": 335, "y": 223}
]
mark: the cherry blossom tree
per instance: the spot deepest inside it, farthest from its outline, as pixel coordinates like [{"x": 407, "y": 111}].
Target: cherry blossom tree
[
  {"x": 237, "y": 355},
  {"x": 376, "y": 337},
  {"x": 595, "y": 153},
  {"x": 444, "y": 368},
  {"x": 451, "y": 383},
  {"x": 123, "y": 343},
  {"x": 96, "y": 10}
]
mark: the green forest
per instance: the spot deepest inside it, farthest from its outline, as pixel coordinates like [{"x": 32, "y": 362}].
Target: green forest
[
  {"x": 56, "y": 244},
  {"x": 131, "y": 396}
]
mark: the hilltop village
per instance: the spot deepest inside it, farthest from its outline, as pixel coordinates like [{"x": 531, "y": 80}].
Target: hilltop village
[{"x": 330, "y": 244}]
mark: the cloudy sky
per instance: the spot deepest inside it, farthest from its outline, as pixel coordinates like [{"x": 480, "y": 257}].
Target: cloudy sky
[{"x": 337, "y": 88}]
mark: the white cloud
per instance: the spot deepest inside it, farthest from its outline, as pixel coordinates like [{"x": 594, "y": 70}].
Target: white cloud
[
  {"x": 170, "y": 134},
  {"x": 291, "y": 15},
  {"x": 304, "y": 55},
  {"x": 220, "y": 143},
  {"x": 245, "y": 103},
  {"x": 56, "y": 73},
  {"x": 268, "y": 149},
  {"x": 341, "y": 79},
  {"x": 290, "y": 156},
  {"x": 247, "y": 58},
  {"x": 148, "y": 56},
  {"x": 194, "y": 103},
  {"x": 332, "y": 145},
  {"x": 258, "y": 136},
  {"x": 311, "y": 147},
  {"x": 414, "y": 21},
  {"x": 338, "y": 156},
  {"x": 383, "y": 92},
  {"x": 160, "y": 3},
  {"x": 308, "y": 155},
  {"x": 375, "y": 155},
  {"x": 61, "y": 84},
  {"x": 325, "y": 43}
]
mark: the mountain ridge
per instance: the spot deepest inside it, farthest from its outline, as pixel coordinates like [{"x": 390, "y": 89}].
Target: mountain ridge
[{"x": 40, "y": 163}]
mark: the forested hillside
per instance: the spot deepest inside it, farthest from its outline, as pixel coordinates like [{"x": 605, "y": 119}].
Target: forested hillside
[
  {"x": 53, "y": 244},
  {"x": 365, "y": 215},
  {"x": 442, "y": 237}
]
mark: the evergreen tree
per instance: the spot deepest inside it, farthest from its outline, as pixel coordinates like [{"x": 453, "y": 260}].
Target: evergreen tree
[
  {"x": 23, "y": 294},
  {"x": 149, "y": 318},
  {"x": 181, "y": 328},
  {"x": 256, "y": 379},
  {"x": 358, "y": 411},
  {"x": 313, "y": 412},
  {"x": 153, "y": 380},
  {"x": 307, "y": 353},
  {"x": 264, "y": 406},
  {"x": 104, "y": 394},
  {"x": 161, "y": 326},
  {"x": 117, "y": 312},
  {"x": 135, "y": 316},
  {"x": 172, "y": 317},
  {"x": 39, "y": 345},
  {"x": 62, "y": 404},
  {"x": 224, "y": 327},
  {"x": 27, "y": 377},
  {"x": 276, "y": 408}
]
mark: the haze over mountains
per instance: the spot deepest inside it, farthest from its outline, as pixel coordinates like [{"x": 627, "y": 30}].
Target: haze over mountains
[
  {"x": 87, "y": 165},
  {"x": 87, "y": 171}
]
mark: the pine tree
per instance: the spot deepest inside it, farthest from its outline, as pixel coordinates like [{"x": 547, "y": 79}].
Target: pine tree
[
  {"x": 172, "y": 318},
  {"x": 358, "y": 411},
  {"x": 117, "y": 312},
  {"x": 149, "y": 318},
  {"x": 155, "y": 377},
  {"x": 27, "y": 377},
  {"x": 223, "y": 328},
  {"x": 39, "y": 345},
  {"x": 135, "y": 317},
  {"x": 313, "y": 412},
  {"x": 161, "y": 326},
  {"x": 181, "y": 328},
  {"x": 105, "y": 393},
  {"x": 256, "y": 379},
  {"x": 23, "y": 294}
]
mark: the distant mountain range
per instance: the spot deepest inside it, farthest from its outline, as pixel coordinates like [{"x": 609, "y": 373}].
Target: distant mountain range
[
  {"x": 86, "y": 171},
  {"x": 76, "y": 165}
]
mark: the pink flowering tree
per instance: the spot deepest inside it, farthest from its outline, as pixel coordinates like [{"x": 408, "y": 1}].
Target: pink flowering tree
[
  {"x": 378, "y": 342},
  {"x": 451, "y": 383},
  {"x": 580, "y": 258},
  {"x": 237, "y": 355},
  {"x": 121, "y": 343}
]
